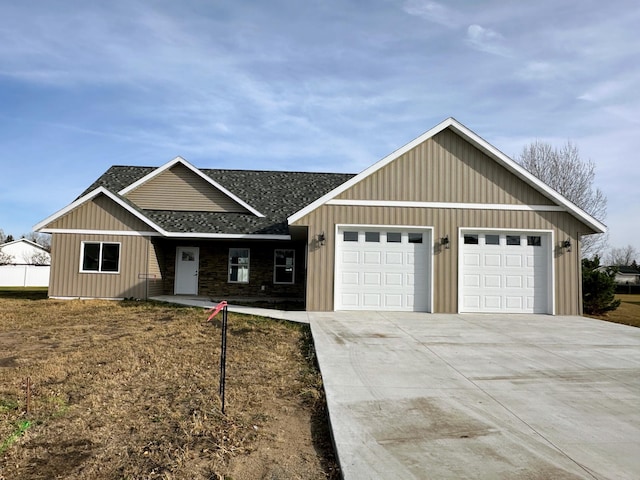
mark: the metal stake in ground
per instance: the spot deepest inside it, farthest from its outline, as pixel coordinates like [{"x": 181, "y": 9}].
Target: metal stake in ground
[{"x": 223, "y": 347}]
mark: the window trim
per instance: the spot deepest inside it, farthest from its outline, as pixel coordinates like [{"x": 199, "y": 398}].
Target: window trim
[
  {"x": 248, "y": 265},
  {"x": 101, "y": 243},
  {"x": 276, "y": 266}
]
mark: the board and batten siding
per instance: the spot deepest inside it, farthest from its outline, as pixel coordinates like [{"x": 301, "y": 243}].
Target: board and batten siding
[
  {"x": 100, "y": 213},
  {"x": 445, "y": 168},
  {"x": 178, "y": 188},
  {"x": 130, "y": 282},
  {"x": 445, "y": 221}
]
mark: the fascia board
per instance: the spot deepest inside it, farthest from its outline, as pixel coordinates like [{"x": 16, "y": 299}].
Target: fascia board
[
  {"x": 196, "y": 171},
  {"x": 92, "y": 194}
]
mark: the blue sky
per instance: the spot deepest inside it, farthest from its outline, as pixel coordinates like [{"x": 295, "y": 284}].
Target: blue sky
[{"x": 314, "y": 86}]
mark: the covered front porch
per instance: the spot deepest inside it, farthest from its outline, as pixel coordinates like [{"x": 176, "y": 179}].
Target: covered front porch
[{"x": 263, "y": 273}]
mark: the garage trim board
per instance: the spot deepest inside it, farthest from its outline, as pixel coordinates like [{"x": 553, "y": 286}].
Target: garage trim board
[
  {"x": 505, "y": 271},
  {"x": 382, "y": 267}
]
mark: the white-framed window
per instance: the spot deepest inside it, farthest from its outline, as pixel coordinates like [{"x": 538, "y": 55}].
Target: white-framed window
[
  {"x": 100, "y": 257},
  {"x": 284, "y": 266},
  {"x": 239, "y": 265}
]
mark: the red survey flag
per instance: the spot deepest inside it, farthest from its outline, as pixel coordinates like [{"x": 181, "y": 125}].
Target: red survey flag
[{"x": 217, "y": 309}]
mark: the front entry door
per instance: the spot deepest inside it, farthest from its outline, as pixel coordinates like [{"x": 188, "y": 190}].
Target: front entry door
[{"x": 187, "y": 262}]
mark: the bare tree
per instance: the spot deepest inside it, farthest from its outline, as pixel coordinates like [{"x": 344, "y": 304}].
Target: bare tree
[
  {"x": 622, "y": 256},
  {"x": 564, "y": 171},
  {"x": 37, "y": 258},
  {"x": 5, "y": 258},
  {"x": 2, "y": 236},
  {"x": 42, "y": 239}
]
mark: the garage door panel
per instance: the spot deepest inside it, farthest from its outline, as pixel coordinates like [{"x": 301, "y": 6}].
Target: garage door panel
[
  {"x": 393, "y": 301},
  {"x": 493, "y": 260},
  {"x": 393, "y": 279},
  {"x": 471, "y": 280},
  {"x": 492, "y": 302},
  {"x": 350, "y": 278},
  {"x": 513, "y": 281},
  {"x": 472, "y": 260},
  {"x": 513, "y": 261},
  {"x": 394, "y": 258},
  {"x": 371, "y": 300},
  {"x": 350, "y": 257},
  {"x": 513, "y": 303},
  {"x": 492, "y": 281},
  {"x": 373, "y": 258},
  {"x": 372, "y": 278}
]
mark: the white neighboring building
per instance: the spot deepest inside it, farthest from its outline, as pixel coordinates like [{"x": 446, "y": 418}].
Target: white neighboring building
[{"x": 24, "y": 264}]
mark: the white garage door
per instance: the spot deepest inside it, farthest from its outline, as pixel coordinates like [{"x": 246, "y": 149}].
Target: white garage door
[
  {"x": 506, "y": 272},
  {"x": 382, "y": 269}
]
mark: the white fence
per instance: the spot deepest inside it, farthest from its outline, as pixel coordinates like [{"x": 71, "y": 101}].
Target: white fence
[{"x": 24, "y": 275}]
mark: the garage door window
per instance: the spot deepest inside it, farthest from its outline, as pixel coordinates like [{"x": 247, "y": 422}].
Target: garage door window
[
  {"x": 372, "y": 237},
  {"x": 394, "y": 237},
  {"x": 350, "y": 236},
  {"x": 513, "y": 240},
  {"x": 534, "y": 241},
  {"x": 415, "y": 238},
  {"x": 492, "y": 239},
  {"x": 471, "y": 239}
]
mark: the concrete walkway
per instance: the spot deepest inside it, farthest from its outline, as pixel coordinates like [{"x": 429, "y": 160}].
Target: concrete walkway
[
  {"x": 204, "y": 302},
  {"x": 417, "y": 396}
]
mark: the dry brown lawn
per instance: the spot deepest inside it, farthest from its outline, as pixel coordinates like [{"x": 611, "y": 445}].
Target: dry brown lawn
[
  {"x": 130, "y": 390},
  {"x": 627, "y": 313}
]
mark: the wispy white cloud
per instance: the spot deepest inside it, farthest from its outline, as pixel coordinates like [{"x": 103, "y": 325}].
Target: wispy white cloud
[
  {"x": 433, "y": 11},
  {"x": 487, "y": 40}
]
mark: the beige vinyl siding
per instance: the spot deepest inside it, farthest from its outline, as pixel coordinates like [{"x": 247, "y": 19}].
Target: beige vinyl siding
[
  {"x": 320, "y": 287},
  {"x": 67, "y": 281},
  {"x": 100, "y": 213},
  {"x": 445, "y": 168},
  {"x": 178, "y": 188}
]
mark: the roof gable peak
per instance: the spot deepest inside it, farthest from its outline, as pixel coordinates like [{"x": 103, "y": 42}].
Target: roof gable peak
[{"x": 179, "y": 160}]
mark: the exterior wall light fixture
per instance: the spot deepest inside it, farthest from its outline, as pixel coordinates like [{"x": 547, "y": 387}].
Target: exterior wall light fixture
[
  {"x": 444, "y": 241},
  {"x": 321, "y": 239},
  {"x": 567, "y": 245}
]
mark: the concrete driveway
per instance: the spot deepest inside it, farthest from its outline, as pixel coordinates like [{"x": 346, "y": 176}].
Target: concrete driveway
[{"x": 480, "y": 396}]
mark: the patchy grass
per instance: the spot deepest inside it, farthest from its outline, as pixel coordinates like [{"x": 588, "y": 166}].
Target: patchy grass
[
  {"x": 130, "y": 390},
  {"x": 628, "y": 313}
]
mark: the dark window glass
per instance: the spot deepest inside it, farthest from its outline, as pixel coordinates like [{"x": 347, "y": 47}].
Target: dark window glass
[
  {"x": 372, "y": 237},
  {"x": 394, "y": 237},
  {"x": 470, "y": 239},
  {"x": 110, "y": 257},
  {"x": 350, "y": 236},
  {"x": 239, "y": 265},
  {"x": 513, "y": 239},
  {"x": 415, "y": 238},
  {"x": 284, "y": 266},
  {"x": 534, "y": 241},
  {"x": 91, "y": 258},
  {"x": 492, "y": 239}
]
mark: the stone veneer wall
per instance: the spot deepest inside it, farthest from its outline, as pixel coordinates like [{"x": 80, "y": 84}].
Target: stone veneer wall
[{"x": 214, "y": 265}]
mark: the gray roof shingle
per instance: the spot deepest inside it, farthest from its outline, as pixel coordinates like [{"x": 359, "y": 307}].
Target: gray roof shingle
[{"x": 277, "y": 195}]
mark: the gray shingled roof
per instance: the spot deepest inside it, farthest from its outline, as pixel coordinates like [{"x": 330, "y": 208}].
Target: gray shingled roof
[{"x": 277, "y": 195}]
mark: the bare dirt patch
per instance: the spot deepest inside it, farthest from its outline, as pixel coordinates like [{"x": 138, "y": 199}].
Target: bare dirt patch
[{"x": 129, "y": 390}]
